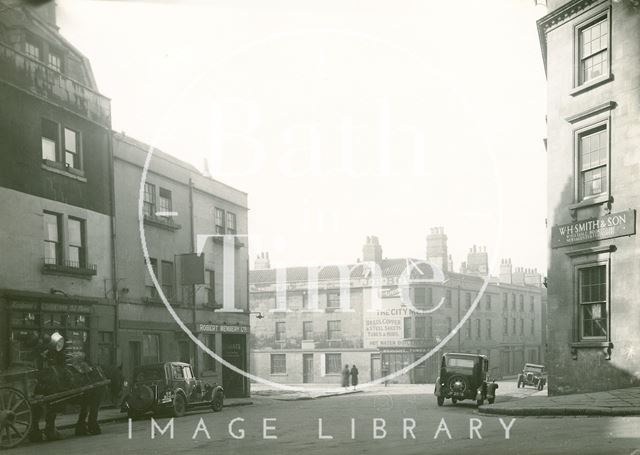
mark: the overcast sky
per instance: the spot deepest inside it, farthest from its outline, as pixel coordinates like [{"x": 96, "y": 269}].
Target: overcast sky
[{"x": 340, "y": 119}]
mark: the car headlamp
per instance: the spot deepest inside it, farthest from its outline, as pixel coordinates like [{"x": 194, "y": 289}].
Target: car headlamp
[{"x": 56, "y": 342}]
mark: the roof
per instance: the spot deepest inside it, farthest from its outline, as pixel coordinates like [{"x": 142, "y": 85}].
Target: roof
[{"x": 388, "y": 267}]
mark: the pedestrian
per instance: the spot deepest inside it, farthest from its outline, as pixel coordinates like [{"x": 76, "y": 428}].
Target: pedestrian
[
  {"x": 354, "y": 376},
  {"x": 345, "y": 377}
]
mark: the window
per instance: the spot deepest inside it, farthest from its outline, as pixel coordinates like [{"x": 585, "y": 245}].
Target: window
[
  {"x": 231, "y": 223},
  {"x": 533, "y": 327},
  {"x": 421, "y": 327},
  {"x": 167, "y": 279},
  {"x": 447, "y": 301},
  {"x": 333, "y": 300},
  {"x": 164, "y": 203},
  {"x": 532, "y": 302},
  {"x": 218, "y": 219},
  {"x": 333, "y": 330},
  {"x": 468, "y": 327},
  {"x": 49, "y": 140},
  {"x": 210, "y": 342},
  {"x": 55, "y": 61},
  {"x": 52, "y": 239},
  {"x": 513, "y": 326},
  {"x": 505, "y": 326},
  {"x": 488, "y": 302},
  {"x": 71, "y": 149},
  {"x": 592, "y": 299},
  {"x": 281, "y": 331},
  {"x": 420, "y": 296},
  {"x": 333, "y": 363},
  {"x": 521, "y": 326},
  {"x": 504, "y": 303},
  {"x": 467, "y": 302},
  {"x": 407, "y": 327},
  {"x": 150, "y": 348},
  {"x": 307, "y": 330},
  {"x": 593, "y": 157},
  {"x": 152, "y": 292},
  {"x": 149, "y": 202},
  {"x": 32, "y": 50},
  {"x": 478, "y": 328},
  {"x": 278, "y": 363},
  {"x": 488, "y": 325},
  {"x": 521, "y": 302},
  {"x": 76, "y": 237},
  {"x": 593, "y": 44}
]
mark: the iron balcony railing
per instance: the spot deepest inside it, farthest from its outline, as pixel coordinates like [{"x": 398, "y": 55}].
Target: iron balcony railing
[{"x": 69, "y": 267}]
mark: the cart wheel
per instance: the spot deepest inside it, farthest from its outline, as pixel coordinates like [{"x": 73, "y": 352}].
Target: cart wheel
[{"x": 15, "y": 417}]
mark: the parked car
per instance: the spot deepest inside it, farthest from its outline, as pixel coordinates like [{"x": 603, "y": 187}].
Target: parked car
[
  {"x": 533, "y": 375},
  {"x": 464, "y": 377},
  {"x": 169, "y": 387}
]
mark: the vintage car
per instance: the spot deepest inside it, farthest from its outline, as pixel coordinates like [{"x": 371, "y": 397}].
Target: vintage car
[
  {"x": 169, "y": 387},
  {"x": 464, "y": 377},
  {"x": 533, "y": 375}
]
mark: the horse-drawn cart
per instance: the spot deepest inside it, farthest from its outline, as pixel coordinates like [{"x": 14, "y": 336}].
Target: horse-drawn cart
[{"x": 19, "y": 397}]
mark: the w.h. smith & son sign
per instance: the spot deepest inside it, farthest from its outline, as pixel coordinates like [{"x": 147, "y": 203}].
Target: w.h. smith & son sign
[{"x": 605, "y": 227}]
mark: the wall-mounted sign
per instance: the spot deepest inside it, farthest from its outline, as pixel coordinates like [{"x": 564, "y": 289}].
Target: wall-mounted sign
[
  {"x": 220, "y": 328},
  {"x": 593, "y": 229}
]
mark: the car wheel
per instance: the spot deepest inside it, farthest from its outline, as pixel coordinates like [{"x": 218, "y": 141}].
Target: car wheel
[
  {"x": 491, "y": 400},
  {"x": 217, "y": 404},
  {"x": 480, "y": 402},
  {"x": 179, "y": 405},
  {"x": 454, "y": 400},
  {"x": 440, "y": 401}
]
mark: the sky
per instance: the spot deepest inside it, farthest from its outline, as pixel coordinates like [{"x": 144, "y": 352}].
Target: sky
[{"x": 340, "y": 118}]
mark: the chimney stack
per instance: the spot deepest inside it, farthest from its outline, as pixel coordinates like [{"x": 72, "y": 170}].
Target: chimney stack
[
  {"x": 372, "y": 251},
  {"x": 477, "y": 261},
  {"x": 506, "y": 271},
  {"x": 262, "y": 262},
  {"x": 437, "y": 248}
]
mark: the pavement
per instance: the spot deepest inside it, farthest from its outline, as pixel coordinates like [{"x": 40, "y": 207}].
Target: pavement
[{"x": 619, "y": 402}]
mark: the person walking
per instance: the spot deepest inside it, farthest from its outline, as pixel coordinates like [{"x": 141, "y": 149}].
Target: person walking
[
  {"x": 354, "y": 376},
  {"x": 345, "y": 377}
]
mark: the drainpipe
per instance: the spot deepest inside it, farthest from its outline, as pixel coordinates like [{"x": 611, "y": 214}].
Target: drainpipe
[
  {"x": 193, "y": 286},
  {"x": 114, "y": 270}
]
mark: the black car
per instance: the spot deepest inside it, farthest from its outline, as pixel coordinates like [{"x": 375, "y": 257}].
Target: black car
[
  {"x": 532, "y": 375},
  {"x": 169, "y": 387},
  {"x": 464, "y": 377}
]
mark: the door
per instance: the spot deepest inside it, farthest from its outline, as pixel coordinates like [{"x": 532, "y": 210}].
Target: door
[
  {"x": 376, "y": 367},
  {"x": 307, "y": 368},
  {"x": 135, "y": 356},
  {"x": 420, "y": 371},
  {"x": 234, "y": 352}
]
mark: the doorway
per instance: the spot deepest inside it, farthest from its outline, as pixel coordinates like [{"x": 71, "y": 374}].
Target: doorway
[
  {"x": 234, "y": 351},
  {"x": 307, "y": 368},
  {"x": 376, "y": 367}
]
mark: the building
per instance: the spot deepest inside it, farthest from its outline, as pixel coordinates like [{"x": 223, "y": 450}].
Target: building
[
  {"x": 317, "y": 319},
  {"x": 208, "y": 291},
  {"x": 56, "y": 271},
  {"x": 591, "y": 50}
]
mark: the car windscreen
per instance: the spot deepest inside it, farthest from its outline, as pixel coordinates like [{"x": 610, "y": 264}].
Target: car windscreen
[
  {"x": 149, "y": 374},
  {"x": 460, "y": 363},
  {"x": 534, "y": 369}
]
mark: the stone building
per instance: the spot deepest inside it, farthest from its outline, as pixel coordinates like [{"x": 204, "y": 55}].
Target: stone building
[
  {"x": 181, "y": 209},
  {"x": 317, "y": 319},
  {"x": 591, "y": 54},
  {"x": 56, "y": 203}
]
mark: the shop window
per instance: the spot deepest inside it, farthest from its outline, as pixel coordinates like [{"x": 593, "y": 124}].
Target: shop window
[
  {"x": 150, "y": 348},
  {"x": 407, "y": 328},
  {"x": 333, "y": 363},
  {"x": 278, "y": 364},
  {"x": 593, "y": 302},
  {"x": 333, "y": 330}
]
